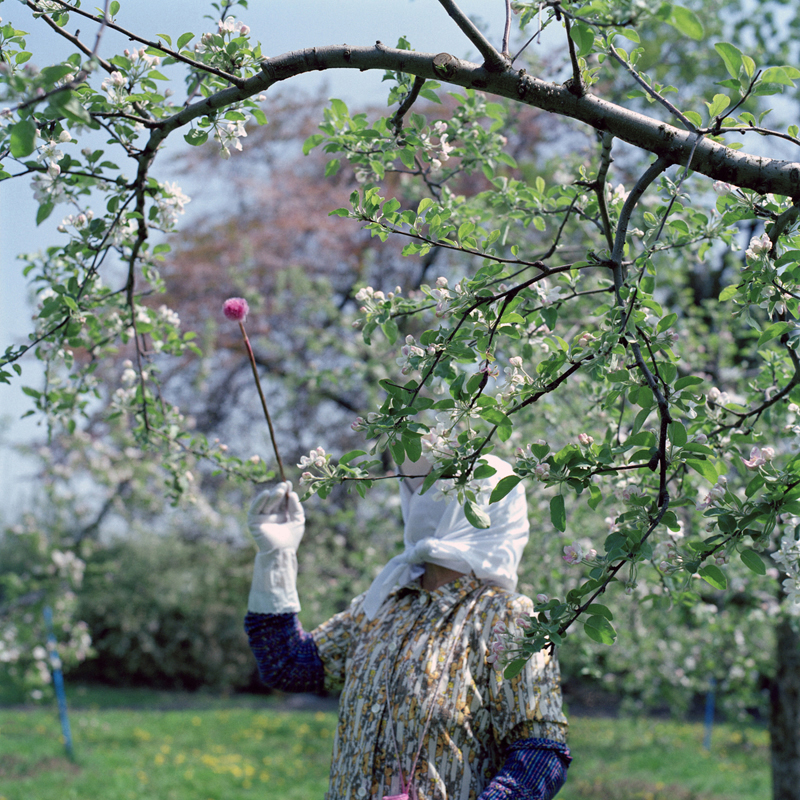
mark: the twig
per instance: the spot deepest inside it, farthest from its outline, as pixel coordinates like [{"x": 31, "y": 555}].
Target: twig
[
  {"x": 493, "y": 61},
  {"x": 647, "y": 177},
  {"x": 612, "y": 51},
  {"x": 507, "y": 30},
  {"x": 413, "y": 94},
  {"x": 234, "y": 79},
  {"x": 599, "y": 185},
  {"x": 576, "y": 85},
  {"x": 100, "y": 30},
  {"x": 263, "y": 400}
]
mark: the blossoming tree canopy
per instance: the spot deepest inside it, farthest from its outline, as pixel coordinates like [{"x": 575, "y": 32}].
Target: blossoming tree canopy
[{"x": 559, "y": 284}]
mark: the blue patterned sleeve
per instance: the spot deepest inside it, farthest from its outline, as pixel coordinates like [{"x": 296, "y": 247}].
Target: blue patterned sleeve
[
  {"x": 535, "y": 769},
  {"x": 286, "y": 655}
]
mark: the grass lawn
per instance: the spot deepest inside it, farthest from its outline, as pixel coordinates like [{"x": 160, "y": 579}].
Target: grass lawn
[{"x": 128, "y": 747}]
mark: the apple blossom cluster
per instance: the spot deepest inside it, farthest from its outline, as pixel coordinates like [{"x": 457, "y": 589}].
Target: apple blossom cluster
[
  {"x": 441, "y": 153},
  {"x": 215, "y": 44},
  {"x": 117, "y": 93},
  {"x": 77, "y": 221},
  {"x": 759, "y": 456},
  {"x": 371, "y": 299},
  {"x": 504, "y": 645},
  {"x": 228, "y": 135},
  {"x": 47, "y": 7},
  {"x": 171, "y": 203},
  {"x": 439, "y": 441},
  {"x": 318, "y": 459},
  {"x": 759, "y": 245},
  {"x": 47, "y": 188},
  {"x": 547, "y": 295},
  {"x": 788, "y": 559},
  {"x": 411, "y": 354},
  {"x": 514, "y": 376},
  {"x": 716, "y": 494},
  {"x": 578, "y": 552},
  {"x": 68, "y": 565},
  {"x": 531, "y": 460}
]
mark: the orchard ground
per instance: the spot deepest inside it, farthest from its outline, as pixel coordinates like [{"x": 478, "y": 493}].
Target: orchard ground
[{"x": 141, "y": 743}]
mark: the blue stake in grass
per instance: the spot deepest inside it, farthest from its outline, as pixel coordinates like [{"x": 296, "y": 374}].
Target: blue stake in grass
[
  {"x": 709, "y": 712},
  {"x": 58, "y": 683}
]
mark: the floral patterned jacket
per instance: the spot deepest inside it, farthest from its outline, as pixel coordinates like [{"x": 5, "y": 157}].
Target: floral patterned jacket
[{"x": 477, "y": 715}]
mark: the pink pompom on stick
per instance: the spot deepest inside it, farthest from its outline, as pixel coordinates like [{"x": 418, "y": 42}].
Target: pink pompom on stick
[{"x": 236, "y": 310}]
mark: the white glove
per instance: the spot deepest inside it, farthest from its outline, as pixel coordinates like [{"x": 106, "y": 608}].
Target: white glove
[{"x": 276, "y": 522}]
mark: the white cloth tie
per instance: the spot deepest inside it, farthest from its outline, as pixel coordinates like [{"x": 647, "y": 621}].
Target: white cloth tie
[{"x": 438, "y": 532}]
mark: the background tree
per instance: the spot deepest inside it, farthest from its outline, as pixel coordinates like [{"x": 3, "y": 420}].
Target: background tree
[{"x": 574, "y": 322}]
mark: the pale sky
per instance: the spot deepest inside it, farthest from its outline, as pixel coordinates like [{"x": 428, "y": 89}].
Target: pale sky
[{"x": 280, "y": 27}]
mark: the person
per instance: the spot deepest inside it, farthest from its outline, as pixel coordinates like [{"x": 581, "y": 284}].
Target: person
[{"x": 424, "y": 714}]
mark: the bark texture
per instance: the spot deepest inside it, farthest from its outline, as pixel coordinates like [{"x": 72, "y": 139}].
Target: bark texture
[{"x": 785, "y": 715}]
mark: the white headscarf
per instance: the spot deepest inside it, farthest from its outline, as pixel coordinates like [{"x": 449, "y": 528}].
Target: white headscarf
[{"x": 438, "y": 532}]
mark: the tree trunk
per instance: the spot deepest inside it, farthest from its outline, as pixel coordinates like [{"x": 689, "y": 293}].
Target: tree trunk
[{"x": 785, "y": 715}]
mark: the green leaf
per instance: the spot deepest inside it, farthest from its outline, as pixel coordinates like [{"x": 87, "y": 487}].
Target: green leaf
[
  {"x": 484, "y": 471},
  {"x": 476, "y": 516},
  {"x": 753, "y": 561},
  {"x": 666, "y": 323},
  {"x": 45, "y": 209},
  {"x": 601, "y": 611},
  {"x": 23, "y": 136},
  {"x": 677, "y": 434},
  {"x": 600, "y": 630},
  {"x": 504, "y": 425},
  {"x": 728, "y": 292},
  {"x": 558, "y": 513},
  {"x": 694, "y": 118},
  {"x": 113, "y": 9},
  {"x": 196, "y": 137},
  {"x": 776, "y": 75},
  {"x": 714, "y": 576},
  {"x": 732, "y": 56},
  {"x": 504, "y": 486},
  {"x": 583, "y": 36},
  {"x": 595, "y": 496},
  {"x": 390, "y": 330},
  {"x": 312, "y": 142},
  {"x": 773, "y": 331},
  {"x": 184, "y": 39},
  {"x": 71, "y": 107},
  {"x": 348, "y": 457},
  {"x": 718, "y": 105},
  {"x": 413, "y": 446},
  {"x": 686, "y": 22},
  {"x": 688, "y": 380},
  {"x": 705, "y": 468},
  {"x": 398, "y": 451},
  {"x": 514, "y": 669}
]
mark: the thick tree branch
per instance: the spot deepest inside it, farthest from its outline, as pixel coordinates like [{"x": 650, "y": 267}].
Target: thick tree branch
[
  {"x": 675, "y": 146},
  {"x": 671, "y": 144}
]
